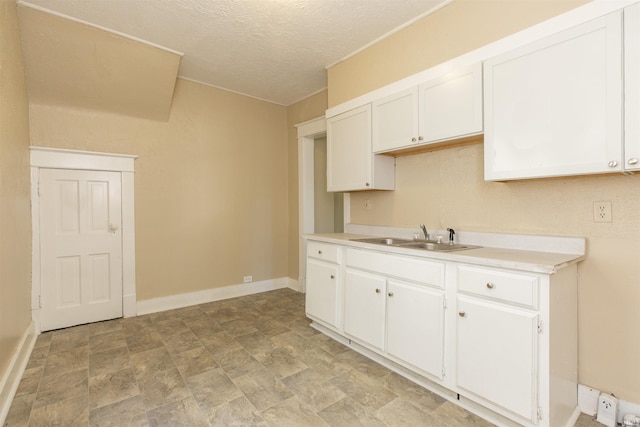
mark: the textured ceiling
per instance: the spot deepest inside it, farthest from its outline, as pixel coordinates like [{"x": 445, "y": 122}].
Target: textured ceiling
[{"x": 275, "y": 50}]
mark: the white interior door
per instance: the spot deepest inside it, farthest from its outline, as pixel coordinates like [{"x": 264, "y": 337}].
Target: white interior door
[{"x": 81, "y": 247}]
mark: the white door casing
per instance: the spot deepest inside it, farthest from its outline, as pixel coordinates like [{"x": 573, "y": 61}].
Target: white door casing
[
  {"x": 80, "y": 247},
  {"x": 122, "y": 166}
]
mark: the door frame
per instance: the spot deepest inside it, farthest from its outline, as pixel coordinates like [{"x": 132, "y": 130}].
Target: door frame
[
  {"x": 307, "y": 133},
  {"x": 55, "y": 158}
]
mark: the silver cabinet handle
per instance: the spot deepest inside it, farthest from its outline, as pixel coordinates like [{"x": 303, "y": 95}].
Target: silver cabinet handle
[
  {"x": 377, "y": 291},
  {"x": 462, "y": 313},
  {"x": 420, "y": 138},
  {"x": 633, "y": 161},
  {"x": 413, "y": 139},
  {"x": 390, "y": 294},
  {"x": 490, "y": 285},
  {"x": 613, "y": 163}
]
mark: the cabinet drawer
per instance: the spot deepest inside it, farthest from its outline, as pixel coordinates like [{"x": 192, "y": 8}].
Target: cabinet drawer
[
  {"x": 323, "y": 251},
  {"x": 499, "y": 285},
  {"x": 408, "y": 268}
]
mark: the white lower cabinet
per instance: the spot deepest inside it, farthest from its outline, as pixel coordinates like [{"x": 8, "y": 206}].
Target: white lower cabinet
[
  {"x": 401, "y": 316},
  {"x": 364, "y": 307},
  {"x": 496, "y": 354},
  {"x": 323, "y": 284},
  {"x": 415, "y": 326},
  {"x": 504, "y": 340}
]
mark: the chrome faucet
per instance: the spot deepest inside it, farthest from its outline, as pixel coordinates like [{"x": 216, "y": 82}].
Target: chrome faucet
[{"x": 424, "y": 231}]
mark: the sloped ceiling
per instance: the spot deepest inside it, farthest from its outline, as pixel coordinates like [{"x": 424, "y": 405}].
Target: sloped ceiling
[
  {"x": 276, "y": 50},
  {"x": 72, "y": 64}
]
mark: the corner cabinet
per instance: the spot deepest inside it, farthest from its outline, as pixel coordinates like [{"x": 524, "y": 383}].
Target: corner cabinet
[
  {"x": 554, "y": 107},
  {"x": 351, "y": 164},
  {"x": 446, "y": 108}
]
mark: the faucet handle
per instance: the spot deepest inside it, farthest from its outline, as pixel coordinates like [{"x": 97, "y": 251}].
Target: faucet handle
[{"x": 451, "y": 233}]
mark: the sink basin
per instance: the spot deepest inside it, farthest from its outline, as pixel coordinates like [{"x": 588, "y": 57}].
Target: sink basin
[
  {"x": 435, "y": 246},
  {"x": 389, "y": 241},
  {"x": 428, "y": 245}
]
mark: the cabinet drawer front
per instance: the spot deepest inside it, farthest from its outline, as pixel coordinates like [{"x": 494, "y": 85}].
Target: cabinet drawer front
[
  {"x": 499, "y": 285},
  {"x": 323, "y": 251},
  {"x": 408, "y": 268}
]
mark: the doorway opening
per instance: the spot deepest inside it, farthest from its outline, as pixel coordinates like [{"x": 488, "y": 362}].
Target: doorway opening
[
  {"x": 319, "y": 211},
  {"x": 328, "y": 207}
]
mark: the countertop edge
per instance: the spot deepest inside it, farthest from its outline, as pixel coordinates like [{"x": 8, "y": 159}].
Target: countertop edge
[{"x": 513, "y": 259}]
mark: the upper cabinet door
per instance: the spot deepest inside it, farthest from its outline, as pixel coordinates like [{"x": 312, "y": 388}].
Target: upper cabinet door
[
  {"x": 451, "y": 106},
  {"x": 351, "y": 165},
  {"x": 554, "y": 107},
  {"x": 395, "y": 121},
  {"x": 632, "y": 87},
  {"x": 446, "y": 108}
]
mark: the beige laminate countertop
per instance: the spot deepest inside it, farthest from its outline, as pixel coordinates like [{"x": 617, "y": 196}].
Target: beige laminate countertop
[{"x": 516, "y": 259}]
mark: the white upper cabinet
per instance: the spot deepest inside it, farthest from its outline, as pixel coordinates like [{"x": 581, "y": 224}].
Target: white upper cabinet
[
  {"x": 554, "y": 107},
  {"x": 441, "y": 109},
  {"x": 632, "y": 87},
  {"x": 395, "y": 121},
  {"x": 351, "y": 164},
  {"x": 451, "y": 106}
]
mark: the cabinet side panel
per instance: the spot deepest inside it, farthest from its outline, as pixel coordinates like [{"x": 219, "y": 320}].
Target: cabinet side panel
[{"x": 563, "y": 345}]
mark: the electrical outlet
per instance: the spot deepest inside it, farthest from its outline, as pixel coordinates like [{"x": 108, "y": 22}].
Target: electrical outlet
[
  {"x": 247, "y": 279},
  {"x": 602, "y": 212},
  {"x": 607, "y": 410}
]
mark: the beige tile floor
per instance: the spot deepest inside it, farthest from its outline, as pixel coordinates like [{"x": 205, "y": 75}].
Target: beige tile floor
[{"x": 240, "y": 362}]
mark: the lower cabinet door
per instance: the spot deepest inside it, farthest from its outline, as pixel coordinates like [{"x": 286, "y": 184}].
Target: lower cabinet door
[
  {"x": 496, "y": 354},
  {"x": 364, "y": 307},
  {"x": 322, "y": 291},
  {"x": 415, "y": 326}
]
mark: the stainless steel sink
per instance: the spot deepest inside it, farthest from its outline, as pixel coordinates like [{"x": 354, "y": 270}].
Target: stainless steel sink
[
  {"x": 439, "y": 247},
  {"x": 388, "y": 241},
  {"x": 427, "y": 245}
]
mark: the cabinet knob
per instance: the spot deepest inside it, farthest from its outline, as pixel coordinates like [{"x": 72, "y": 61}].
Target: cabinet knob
[
  {"x": 333, "y": 277},
  {"x": 319, "y": 252},
  {"x": 462, "y": 313},
  {"x": 377, "y": 290},
  {"x": 490, "y": 285},
  {"x": 420, "y": 138},
  {"x": 367, "y": 184},
  {"x": 413, "y": 139},
  {"x": 632, "y": 161},
  {"x": 390, "y": 294},
  {"x": 613, "y": 163}
]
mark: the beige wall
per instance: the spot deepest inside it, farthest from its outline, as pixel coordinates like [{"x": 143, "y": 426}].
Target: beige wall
[
  {"x": 307, "y": 109},
  {"x": 459, "y": 27},
  {"x": 15, "y": 213},
  {"x": 210, "y": 185},
  {"x": 446, "y": 189}
]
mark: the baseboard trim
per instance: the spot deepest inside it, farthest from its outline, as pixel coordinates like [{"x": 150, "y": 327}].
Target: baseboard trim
[
  {"x": 11, "y": 378},
  {"x": 155, "y": 305}
]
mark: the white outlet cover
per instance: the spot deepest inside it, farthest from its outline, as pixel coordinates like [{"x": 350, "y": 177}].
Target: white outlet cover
[
  {"x": 588, "y": 399},
  {"x": 607, "y": 410}
]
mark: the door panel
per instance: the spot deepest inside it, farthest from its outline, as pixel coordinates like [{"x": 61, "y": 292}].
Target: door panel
[{"x": 81, "y": 247}]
